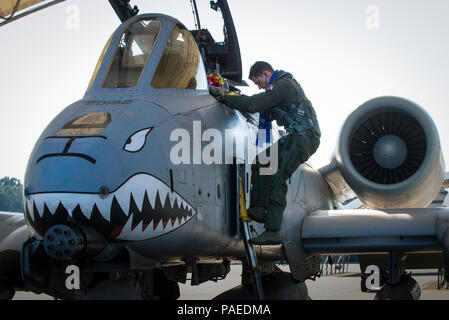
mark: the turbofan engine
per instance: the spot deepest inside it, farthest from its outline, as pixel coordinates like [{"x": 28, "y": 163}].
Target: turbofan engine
[{"x": 389, "y": 154}]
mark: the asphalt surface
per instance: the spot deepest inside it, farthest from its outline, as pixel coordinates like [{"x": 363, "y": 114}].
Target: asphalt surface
[{"x": 345, "y": 286}]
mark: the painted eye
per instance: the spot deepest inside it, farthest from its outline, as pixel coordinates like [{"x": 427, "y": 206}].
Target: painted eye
[{"x": 137, "y": 140}]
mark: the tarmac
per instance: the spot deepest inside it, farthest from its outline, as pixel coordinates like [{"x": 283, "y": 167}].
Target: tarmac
[{"x": 344, "y": 286}]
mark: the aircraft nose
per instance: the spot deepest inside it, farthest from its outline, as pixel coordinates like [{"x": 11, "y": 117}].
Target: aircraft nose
[
  {"x": 143, "y": 207},
  {"x": 67, "y": 153},
  {"x": 85, "y": 180},
  {"x": 70, "y": 164}
]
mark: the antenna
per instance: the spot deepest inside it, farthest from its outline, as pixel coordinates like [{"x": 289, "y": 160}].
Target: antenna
[{"x": 195, "y": 14}]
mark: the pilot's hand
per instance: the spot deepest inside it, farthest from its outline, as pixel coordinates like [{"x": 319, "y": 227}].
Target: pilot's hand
[{"x": 217, "y": 95}]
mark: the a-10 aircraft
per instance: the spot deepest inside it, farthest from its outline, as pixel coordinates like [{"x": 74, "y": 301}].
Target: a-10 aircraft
[{"x": 114, "y": 190}]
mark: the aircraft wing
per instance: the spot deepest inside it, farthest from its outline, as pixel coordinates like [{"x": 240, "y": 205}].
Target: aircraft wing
[
  {"x": 9, "y": 222},
  {"x": 371, "y": 231}
]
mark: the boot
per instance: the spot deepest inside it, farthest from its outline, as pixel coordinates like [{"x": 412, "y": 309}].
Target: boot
[
  {"x": 267, "y": 238},
  {"x": 257, "y": 214}
]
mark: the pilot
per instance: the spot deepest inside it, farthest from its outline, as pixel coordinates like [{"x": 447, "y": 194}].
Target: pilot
[{"x": 283, "y": 101}]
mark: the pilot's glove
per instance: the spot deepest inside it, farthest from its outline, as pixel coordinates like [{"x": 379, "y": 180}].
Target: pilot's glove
[{"x": 217, "y": 95}]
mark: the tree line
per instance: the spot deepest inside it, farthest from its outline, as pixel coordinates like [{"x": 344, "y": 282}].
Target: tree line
[{"x": 11, "y": 191}]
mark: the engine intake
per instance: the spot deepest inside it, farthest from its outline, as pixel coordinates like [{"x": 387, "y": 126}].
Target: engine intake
[
  {"x": 388, "y": 148},
  {"x": 389, "y": 154}
]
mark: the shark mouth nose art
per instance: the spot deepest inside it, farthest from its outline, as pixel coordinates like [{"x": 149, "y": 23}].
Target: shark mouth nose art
[{"x": 142, "y": 208}]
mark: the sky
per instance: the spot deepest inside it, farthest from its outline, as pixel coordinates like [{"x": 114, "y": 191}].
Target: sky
[{"x": 343, "y": 53}]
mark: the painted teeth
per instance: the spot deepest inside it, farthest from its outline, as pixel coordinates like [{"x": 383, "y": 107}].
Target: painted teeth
[
  {"x": 87, "y": 202},
  {"x": 69, "y": 201},
  {"x": 139, "y": 189},
  {"x": 153, "y": 229}
]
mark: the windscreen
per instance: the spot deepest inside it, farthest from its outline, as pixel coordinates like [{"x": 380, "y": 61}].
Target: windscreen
[{"x": 135, "y": 47}]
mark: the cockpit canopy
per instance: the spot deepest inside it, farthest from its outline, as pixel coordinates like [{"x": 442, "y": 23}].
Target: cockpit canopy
[
  {"x": 180, "y": 66},
  {"x": 132, "y": 53},
  {"x": 154, "y": 45}
]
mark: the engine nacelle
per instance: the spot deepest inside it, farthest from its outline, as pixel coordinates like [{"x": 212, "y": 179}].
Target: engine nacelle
[{"x": 389, "y": 153}]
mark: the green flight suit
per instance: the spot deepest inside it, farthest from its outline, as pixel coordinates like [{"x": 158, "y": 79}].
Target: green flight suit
[{"x": 269, "y": 191}]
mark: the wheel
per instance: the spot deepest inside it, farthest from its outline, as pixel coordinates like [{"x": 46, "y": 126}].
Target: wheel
[{"x": 406, "y": 289}]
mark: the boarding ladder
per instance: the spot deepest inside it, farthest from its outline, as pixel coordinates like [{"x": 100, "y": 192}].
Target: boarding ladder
[{"x": 251, "y": 256}]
